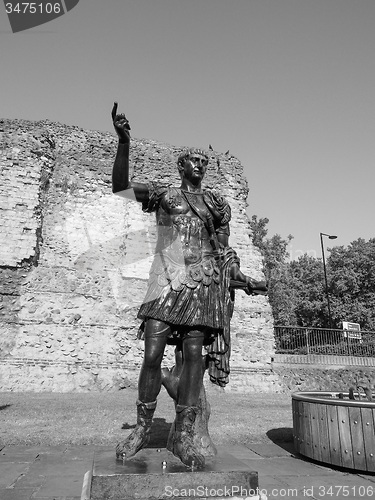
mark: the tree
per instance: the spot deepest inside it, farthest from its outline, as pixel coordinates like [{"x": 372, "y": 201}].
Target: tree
[
  {"x": 258, "y": 231},
  {"x": 352, "y": 283},
  {"x": 310, "y": 305},
  {"x": 275, "y": 254},
  {"x": 297, "y": 291}
]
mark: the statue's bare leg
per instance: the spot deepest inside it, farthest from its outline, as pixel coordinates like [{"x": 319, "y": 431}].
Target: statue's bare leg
[
  {"x": 187, "y": 398},
  {"x": 149, "y": 385},
  {"x": 191, "y": 377}
]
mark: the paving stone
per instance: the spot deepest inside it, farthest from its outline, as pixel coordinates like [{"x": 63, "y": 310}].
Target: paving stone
[
  {"x": 19, "y": 454},
  {"x": 285, "y": 467},
  {"x": 81, "y": 452},
  {"x": 62, "y": 486},
  {"x": 19, "y": 494},
  {"x": 270, "y": 485},
  {"x": 54, "y": 497},
  {"x": 29, "y": 480},
  {"x": 65, "y": 468},
  {"x": 241, "y": 451},
  {"x": 10, "y": 472},
  {"x": 269, "y": 450},
  {"x": 336, "y": 485},
  {"x": 368, "y": 477}
]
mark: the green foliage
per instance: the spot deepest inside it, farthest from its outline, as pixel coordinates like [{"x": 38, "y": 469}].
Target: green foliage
[
  {"x": 352, "y": 283},
  {"x": 274, "y": 250},
  {"x": 297, "y": 289},
  {"x": 310, "y": 305},
  {"x": 258, "y": 231}
]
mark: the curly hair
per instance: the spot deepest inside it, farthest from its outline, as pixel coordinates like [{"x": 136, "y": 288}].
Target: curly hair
[{"x": 190, "y": 151}]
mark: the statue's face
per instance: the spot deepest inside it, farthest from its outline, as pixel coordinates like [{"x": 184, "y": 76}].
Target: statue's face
[{"x": 195, "y": 167}]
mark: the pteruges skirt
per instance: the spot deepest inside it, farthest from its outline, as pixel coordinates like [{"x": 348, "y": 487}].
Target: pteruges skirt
[{"x": 185, "y": 296}]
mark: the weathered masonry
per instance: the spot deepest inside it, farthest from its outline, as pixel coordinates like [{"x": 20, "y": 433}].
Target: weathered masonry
[{"x": 74, "y": 261}]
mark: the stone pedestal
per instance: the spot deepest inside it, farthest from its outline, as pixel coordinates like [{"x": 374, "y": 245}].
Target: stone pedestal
[{"x": 157, "y": 474}]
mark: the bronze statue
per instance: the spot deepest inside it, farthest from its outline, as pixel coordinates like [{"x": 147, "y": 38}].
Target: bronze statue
[{"x": 190, "y": 295}]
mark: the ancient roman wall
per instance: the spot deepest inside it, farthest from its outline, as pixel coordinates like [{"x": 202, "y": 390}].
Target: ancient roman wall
[{"x": 74, "y": 261}]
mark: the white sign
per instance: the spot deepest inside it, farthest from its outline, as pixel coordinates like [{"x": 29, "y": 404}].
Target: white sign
[{"x": 352, "y": 330}]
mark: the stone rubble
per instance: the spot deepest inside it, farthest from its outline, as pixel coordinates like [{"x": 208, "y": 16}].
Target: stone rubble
[{"x": 74, "y": 261}]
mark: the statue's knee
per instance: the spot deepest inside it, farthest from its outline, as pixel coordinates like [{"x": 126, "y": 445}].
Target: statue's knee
[
  {"x": 152, "y": 358},
  {"x": 155, "y": 342},
  {"x": 193, "y": 351}
]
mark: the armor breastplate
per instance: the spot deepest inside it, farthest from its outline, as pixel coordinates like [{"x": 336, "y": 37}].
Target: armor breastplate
[
  {"x": 184, "y": 254},
  {"x": 183, "y": 238},
  {"x": 182, "y": 235}
]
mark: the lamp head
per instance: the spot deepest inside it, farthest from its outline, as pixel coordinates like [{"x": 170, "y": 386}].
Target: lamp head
[{"x": 329, "y": 236}]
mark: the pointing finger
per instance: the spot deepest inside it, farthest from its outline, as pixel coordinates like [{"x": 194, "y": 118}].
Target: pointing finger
[{"x": 114, "y": 111}]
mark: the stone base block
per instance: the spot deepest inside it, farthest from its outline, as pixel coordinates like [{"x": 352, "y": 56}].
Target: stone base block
[{"x": 157, "y": 474}]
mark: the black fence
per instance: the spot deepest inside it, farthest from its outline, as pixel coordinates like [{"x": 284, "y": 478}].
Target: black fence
[{"x": 303, "y": 340}]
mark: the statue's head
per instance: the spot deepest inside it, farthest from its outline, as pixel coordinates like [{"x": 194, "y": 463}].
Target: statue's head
[{"x": 192, "y": 164}]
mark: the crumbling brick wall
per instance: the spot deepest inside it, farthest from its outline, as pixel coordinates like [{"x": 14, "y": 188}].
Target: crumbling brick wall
[{"x": 75, "y": 260}]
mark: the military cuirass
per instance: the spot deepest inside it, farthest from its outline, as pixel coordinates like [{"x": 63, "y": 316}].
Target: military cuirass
[
  {"x": 182, "y": 227},
  {"x": 184, "y": 254}
]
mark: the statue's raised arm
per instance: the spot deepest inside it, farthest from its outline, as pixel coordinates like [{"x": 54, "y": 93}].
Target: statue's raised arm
[
  {"x": 120, "y": 173},
  {"x": 121, "y": 125}
]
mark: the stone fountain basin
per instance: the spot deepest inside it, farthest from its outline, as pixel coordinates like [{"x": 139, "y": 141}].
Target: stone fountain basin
[{"x": 335, "y": 431}]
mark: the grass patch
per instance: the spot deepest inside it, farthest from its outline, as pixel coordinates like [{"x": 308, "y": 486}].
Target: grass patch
[{"x": 51, "y": 419}]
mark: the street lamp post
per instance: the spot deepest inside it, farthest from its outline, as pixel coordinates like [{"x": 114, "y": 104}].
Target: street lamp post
[{"x": 331, "y": 237}]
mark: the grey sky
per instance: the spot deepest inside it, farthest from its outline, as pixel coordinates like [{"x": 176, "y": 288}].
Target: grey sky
[{"x": 286, "y": 85}]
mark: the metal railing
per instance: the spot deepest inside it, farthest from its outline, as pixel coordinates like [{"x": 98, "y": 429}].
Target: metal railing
[{"x": 306, "y": 340}]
